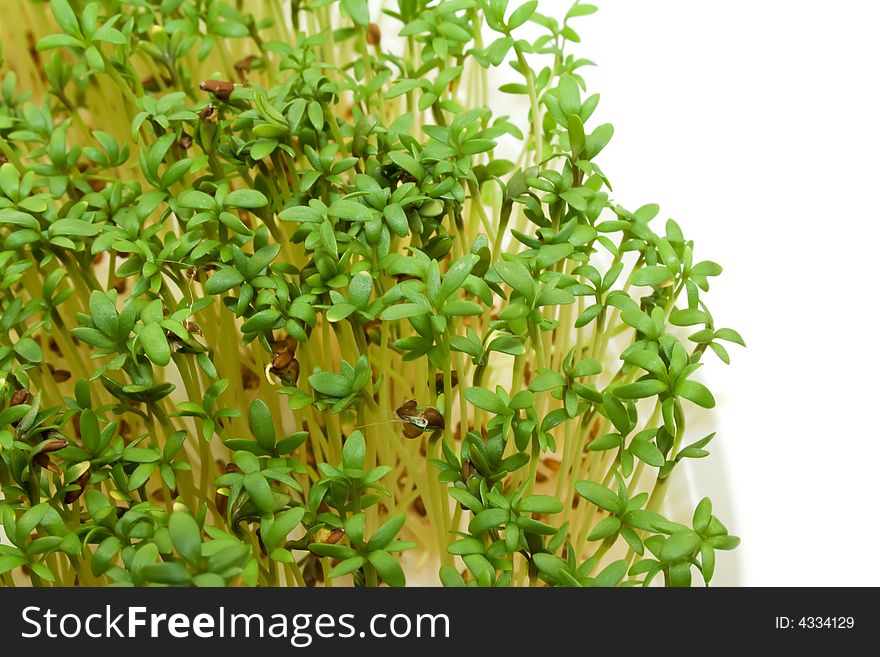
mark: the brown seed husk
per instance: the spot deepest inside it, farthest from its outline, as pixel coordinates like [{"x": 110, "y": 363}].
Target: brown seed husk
[
  {"x": 419, "y": 506},
  {"x": 438, "y": 381},
  {"x": 209, "y": 114},
  {"x": 408, "y": 410},
  {"x": 411, "y": 431},
  {"x": 221, "y": 89},
  {"x": 434, "y": 418},
  {"x": 42, "y": 459},
  {"x": 374, "y": 34},
  {"x": 54, "y": 445},
  {"x": 60, "y": 376},
  {"x": 72, "y": 496}
]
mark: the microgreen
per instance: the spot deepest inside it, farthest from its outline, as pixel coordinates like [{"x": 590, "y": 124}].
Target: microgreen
[{"x": 276, "y": 309}]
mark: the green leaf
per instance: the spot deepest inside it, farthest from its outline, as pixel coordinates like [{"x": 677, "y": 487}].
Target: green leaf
[
  {"x": 408, "y": 163},
  {"x": 29, "y": 521},
  {"x": 695, "y": 392},
  {"x": 517, "y": 276},
  {"x": 648, "y": 361},
  {"x": 330, "y": 384},
  {"x": 155, "y": 344},
  {"x": 680, "y": 545},
  {"x": 13, "y": 414},
  {"x": 723, "y": 542},
  {"x": 586, "y": 367},
  {"x": 42, "y": 571},
  {"x": 340, "y": 311},
  {"x": 522, "y": 14},
  {"x": 612, "y": 574},
  {"x": 262, "y": 259},
  {"x": 702, "y": 515},
  {"x": 384, "y": 535},
  {"x": 140, "y": 454},
  {"x": 647, "y": 451},
  {"x": 9, "y": 562},
  {"x": 103, "y": 312},
  {"x": 540, "y": 504},
  {"x": 208, "y": 580},
  {"x": 316, "y": 114},
  {"x": 616, "y": 413},
  {"x": 688, "y": 317},
  {"x": 580, "y": 10},
  {"x": 640, "y": 389},
  {"x": 261, "y": 321},
  {"x": 105, "y": 552},
  {"x": 245, "y": 198},
  {"x": 466, "y": 546},
  {"x": 109, "y": 35},
  {"x": 498, "y": 49},
  {"x": 547, "y": 380},
  {"x": 522, "y": 400},
  {"x": 141, "y": 475},
  {"x": 347, "y": 566},
  {"x": 608, "y": 441},
  {"x": 599, "y": 495},
  {"x": 462, "y": 308},
  {"x": 354, "y": 528},
  {"x": 223, "y": 280},
  {"x": 388, "y": 568},
  {"x": 396, "y": 219},
  {"x": 73, "y": 228},
  {"x": 638, "y": 320},
  {"x": 284, "y": 523},
  {"x": 403, "y": 86},
  {"x": 51, "y": 41},
  {"x": 605, "y": 528},
  {"x": 403, "y": 311},
  {"x": 451, "y": 578},
  {"x": 260, "y": 422},
  {"x": 350, "y": 210},
  {"x": 93, "y": 337},
  {"x": 9, "y": 180},
  {"x": 653, "y": 275},
  {"x": 505, "y": 344},
  {"x": 730, "y": 335},
  {"x": 259, "y": 491},
  {"x": 466, "y": 499},
  {"x": 591, "y": 313},
  {"x": 598, "y": 139},
  {"x": 549, "y": 564},
  {"x": 488, "y": 519},
  {"x": 360, "y": 288},
  {"x": 707, "y": 268},
  {"x": 354, "y": 451},
  {"x": 644, "y": 520},
  {"x": 707, "y": 561},
  {"x": 156, "y": 152},
  {"x": 455, "y": 276},
  {"x": 65, "y": 17},
  {"x": 29, "y": 350},
  {"x": 263, "y": 148},
  {"x": 186, "y": 536},
  {"x": 487, "y": 400},
  {"x": 358, "y": 11},
  {"x": 568, "y": 94}
]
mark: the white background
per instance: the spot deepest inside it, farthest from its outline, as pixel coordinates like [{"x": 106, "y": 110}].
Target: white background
[{"x": 755, "y": 125}]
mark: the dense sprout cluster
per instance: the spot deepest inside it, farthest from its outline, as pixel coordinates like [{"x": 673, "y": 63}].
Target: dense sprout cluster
[{"x": 275, "y": 309}]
